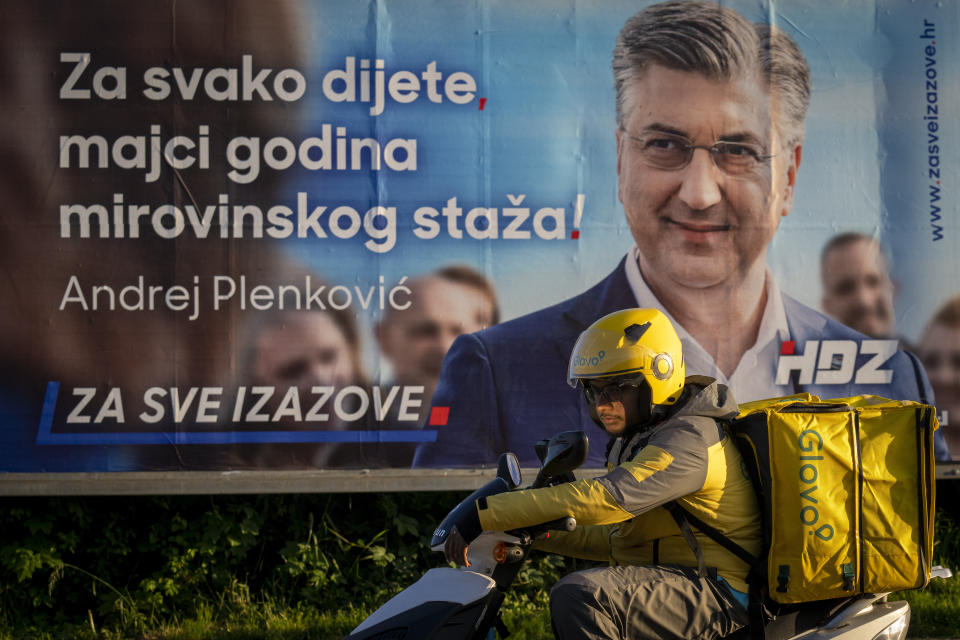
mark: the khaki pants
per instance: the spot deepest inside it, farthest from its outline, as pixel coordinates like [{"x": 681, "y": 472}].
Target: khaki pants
[{"x": 632, "y": 602}]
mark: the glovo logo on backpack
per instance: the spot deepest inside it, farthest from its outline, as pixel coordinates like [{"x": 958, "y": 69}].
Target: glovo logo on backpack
[{"x": 810, "y": 442}]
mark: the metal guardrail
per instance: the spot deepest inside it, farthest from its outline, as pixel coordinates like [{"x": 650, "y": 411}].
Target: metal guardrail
[
  {"x": 948, "y": 470},
  {"x": 293, "y": 481},
  {"x": 250, "y": 482}
]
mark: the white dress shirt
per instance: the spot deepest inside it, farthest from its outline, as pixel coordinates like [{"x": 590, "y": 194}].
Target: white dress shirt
[{"x": 753, "y": 378}]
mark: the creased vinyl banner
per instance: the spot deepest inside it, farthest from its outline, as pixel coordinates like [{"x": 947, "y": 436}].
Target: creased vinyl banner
[{"x": 244, "y": 235}]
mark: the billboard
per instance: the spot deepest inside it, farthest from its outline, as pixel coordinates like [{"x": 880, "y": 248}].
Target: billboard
[{"x": 244, "y": 235}]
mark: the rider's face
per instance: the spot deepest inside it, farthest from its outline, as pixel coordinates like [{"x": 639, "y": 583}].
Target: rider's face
[{"x": 618, "y": 406}]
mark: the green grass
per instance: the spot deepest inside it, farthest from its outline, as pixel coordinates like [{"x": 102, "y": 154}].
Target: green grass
[
  {"x": 265, "y": 622},
  {"x": 935, "y": 610},
  {"x": 262, "y": 621},
  {"x": 292, "y": 624},
  {"x": 935, "y": 614}
]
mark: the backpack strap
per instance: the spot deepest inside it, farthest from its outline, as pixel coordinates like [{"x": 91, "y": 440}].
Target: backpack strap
[
  {"x": 756, "y": 611},
  {"x": 679, "y": 515}
]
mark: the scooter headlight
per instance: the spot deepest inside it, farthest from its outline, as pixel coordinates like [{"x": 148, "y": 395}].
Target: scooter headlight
[{"x": 897, "y": 630}]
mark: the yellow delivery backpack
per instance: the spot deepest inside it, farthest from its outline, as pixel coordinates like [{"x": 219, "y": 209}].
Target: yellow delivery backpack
[{"x": 846, "y": 489}]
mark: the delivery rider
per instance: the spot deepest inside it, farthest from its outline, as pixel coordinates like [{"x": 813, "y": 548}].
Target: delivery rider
[{"x": 667, "y": 447}]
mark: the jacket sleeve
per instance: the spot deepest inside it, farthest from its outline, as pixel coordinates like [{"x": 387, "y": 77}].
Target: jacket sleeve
[
  {"x": 590, "y": 542},
  {"x": 657, "y": 474},
  {"x": 466, "y": 395}
]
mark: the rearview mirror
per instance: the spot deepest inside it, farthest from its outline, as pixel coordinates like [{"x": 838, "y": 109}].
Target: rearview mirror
[
  {"x": 541, "y": 450},
  {"x": 508, "y": 468},
  {"x": 565, "y": 452}
]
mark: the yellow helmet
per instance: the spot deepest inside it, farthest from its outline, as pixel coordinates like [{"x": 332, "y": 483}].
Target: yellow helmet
[{"x": 631, "y": 342}]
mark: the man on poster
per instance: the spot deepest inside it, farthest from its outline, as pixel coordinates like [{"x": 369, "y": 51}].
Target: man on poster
[
  {"x": 710, "y": 124},
  {"x": 857, "y": 287}
]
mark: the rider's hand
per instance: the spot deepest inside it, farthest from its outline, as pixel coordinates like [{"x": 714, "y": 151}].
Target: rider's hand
[
  {"x": 455, "y": 549},
  {"x": 463, "y": 532}
]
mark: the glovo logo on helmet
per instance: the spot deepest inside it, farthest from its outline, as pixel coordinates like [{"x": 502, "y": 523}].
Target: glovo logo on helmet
[
  {"x": 590, "y": 360},
  {"x": 631, "y": 342}
]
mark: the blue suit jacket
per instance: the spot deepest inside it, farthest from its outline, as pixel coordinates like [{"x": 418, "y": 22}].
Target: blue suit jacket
[{"x": 506, "y": 386}]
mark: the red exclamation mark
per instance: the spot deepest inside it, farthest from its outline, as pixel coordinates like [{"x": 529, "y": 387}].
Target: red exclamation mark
[{"x": 577, "y": 216}]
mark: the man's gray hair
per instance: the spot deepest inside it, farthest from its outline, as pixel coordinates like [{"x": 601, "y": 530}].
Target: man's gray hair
[{"x": 719, "y": 43}]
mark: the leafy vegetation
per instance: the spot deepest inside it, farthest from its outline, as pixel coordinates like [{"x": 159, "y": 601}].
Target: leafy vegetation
[
  {"x": 935, "y": 610},
  {"x": 281, "y": 567},
  {"x": 136, "y": 564}
]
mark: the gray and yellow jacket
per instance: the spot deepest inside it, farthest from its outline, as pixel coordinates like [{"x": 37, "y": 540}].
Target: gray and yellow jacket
[{"x": 686, "y": 457}]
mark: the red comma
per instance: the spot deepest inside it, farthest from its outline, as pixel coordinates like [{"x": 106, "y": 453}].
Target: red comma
[
  {"x": 439, "y": 416},
  {"x": 483, "y": 103}
]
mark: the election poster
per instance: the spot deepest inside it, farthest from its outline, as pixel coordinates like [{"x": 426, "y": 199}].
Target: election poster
[{"x": 319, "y": 234}]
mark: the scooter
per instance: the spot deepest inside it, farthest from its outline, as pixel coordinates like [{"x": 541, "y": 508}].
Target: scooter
[{"x": 464, "y": 603}]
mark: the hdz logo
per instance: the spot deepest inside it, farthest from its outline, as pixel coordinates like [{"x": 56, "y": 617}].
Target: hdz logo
[{"x": 835, "y": 362}]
